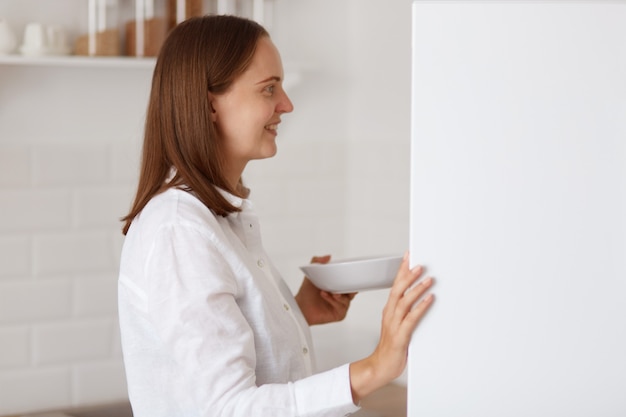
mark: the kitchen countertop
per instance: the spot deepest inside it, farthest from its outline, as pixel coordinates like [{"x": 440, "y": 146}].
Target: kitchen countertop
[{"x": 389, "y": 401}]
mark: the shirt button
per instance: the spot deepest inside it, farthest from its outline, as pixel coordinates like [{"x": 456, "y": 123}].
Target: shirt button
[
  {"x": 305, "y": 350},
  {"x": 260, "y": 263},
  {"x": 286, "y": 307}
]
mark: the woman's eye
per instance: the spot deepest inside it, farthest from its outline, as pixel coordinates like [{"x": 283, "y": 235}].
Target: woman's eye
[{"x": 269, "y": 89}]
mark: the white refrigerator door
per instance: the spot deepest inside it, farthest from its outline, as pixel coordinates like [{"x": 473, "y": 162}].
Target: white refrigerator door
[{"x": 518, "y": 208}]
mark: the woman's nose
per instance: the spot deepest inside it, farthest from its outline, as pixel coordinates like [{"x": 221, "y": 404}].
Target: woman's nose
[{"x": 285, "y": 105}]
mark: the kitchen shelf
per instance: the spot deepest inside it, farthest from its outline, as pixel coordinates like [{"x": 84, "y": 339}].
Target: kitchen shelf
[
  {"x": 78, "y": 61},
  {"x": 293, "y": 71}
]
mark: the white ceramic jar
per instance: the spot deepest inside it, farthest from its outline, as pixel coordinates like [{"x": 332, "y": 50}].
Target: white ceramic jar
[{"x": 8, "y": 40}]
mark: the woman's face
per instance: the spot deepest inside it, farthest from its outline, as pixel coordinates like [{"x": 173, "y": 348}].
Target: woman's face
[{"x": 248, "y": 113}]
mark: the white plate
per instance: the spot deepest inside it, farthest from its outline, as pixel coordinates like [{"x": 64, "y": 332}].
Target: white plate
[{"x": 353, "y": 275}]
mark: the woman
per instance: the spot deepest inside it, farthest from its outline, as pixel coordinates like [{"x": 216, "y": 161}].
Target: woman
[{"x": 208, "y": 326}]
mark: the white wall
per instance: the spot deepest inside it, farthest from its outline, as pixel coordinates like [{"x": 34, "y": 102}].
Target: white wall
[{"x": 69, "y": 142}]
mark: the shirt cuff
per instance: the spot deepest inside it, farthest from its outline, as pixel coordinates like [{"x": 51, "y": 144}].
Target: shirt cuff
[{"x": 325, "y": 394}]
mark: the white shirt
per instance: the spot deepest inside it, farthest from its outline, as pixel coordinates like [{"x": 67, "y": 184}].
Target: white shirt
[{"x": 208, "y": 326}]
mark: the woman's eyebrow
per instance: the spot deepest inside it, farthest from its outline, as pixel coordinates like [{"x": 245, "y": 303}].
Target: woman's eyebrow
[{"x": 272, "y": 78}]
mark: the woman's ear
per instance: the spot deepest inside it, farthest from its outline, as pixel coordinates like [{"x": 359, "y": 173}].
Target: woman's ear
[{"x": 212, "y": 108}]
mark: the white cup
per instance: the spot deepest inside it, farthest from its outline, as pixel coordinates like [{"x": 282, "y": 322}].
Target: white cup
[
  {"x": 35, "y": 39},
  {"x": 40, "y": 39}
]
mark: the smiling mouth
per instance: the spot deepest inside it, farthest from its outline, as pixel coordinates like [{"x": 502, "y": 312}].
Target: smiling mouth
[{"x": 272, "y": 127}]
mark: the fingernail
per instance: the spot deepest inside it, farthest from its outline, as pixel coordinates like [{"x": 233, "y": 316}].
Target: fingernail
[
  {"x": 406, "y": 255},
  {"x": 417, "y": 269}
]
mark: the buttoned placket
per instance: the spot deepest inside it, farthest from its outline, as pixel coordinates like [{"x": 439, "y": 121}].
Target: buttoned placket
[{"x": 251, "y": 231}]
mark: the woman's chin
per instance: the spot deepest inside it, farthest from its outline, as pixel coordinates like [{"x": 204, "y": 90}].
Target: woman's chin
[{"x": 270, "y": 151}]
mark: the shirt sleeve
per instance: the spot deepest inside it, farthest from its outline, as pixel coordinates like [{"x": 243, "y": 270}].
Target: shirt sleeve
[{"x": 192, "y": 305}]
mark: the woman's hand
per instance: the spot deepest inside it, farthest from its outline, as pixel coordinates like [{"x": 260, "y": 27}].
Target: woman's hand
[
  {"x": 401, "y": 316},
  {"x": 319, "y": 306}
]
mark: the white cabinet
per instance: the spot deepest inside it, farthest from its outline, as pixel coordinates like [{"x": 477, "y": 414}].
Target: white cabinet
[{"x": 519, "y": 208}]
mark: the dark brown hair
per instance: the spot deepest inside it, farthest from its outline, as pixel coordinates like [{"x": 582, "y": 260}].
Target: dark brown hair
[{"x": 200, "y": 55}]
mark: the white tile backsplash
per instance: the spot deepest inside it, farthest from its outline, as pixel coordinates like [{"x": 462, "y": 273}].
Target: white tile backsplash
[
  {"x": 59, "y": 243},
  {"x": 15, "y": 256},
  {"x": 62, "y": 164},
  {"x": 124, "y": 167},
  {"x": 80, "y": 251},
  {"x": 31, "y": 301},
  {"x": 95, "y": 295},
  {"x": 16, "y": 347},
  {"x": 30, "y": 210},
  {"x": 34, "y": 389},
  {"x": 101, "y": 207},
  {"x": 15, "y": 166},
  {"x": 72, "y": 340},
  {"x": 98, "y": 382}
]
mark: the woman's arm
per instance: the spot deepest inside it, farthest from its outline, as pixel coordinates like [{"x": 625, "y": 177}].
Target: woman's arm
[{"x": 401, "y": 316}]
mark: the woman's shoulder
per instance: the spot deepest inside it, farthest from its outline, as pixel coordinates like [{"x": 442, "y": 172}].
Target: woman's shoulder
[{"x": 177, "y": 207}]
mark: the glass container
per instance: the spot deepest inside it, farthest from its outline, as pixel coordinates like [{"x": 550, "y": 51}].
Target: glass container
[
  {"x": 251, "y": 9},
  {"x": 103, "y": 37},
  {"x": 146, "y": 33},
  {"x": 179, "y": 10},
  {"x": 153, "y": 19}
]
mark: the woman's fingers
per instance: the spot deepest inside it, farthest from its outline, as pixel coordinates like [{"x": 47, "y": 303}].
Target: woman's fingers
[
  {"x": 320, "y": 259},
  {"x": 408, "y": 311},
  {"x": 403, "y": 311},
  {"x": 417, "y": 313},
  {"x": 413, "y": 294},
  {"x": 338, "y": 300},
  {"x": 404, "y": 280},
  {"x": 420, "y": 309}
]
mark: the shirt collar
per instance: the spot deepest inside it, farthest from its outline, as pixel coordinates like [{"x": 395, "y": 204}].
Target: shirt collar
[
  {"x": 231, "y": 198},
  {"x": 235, "y": 201}
]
